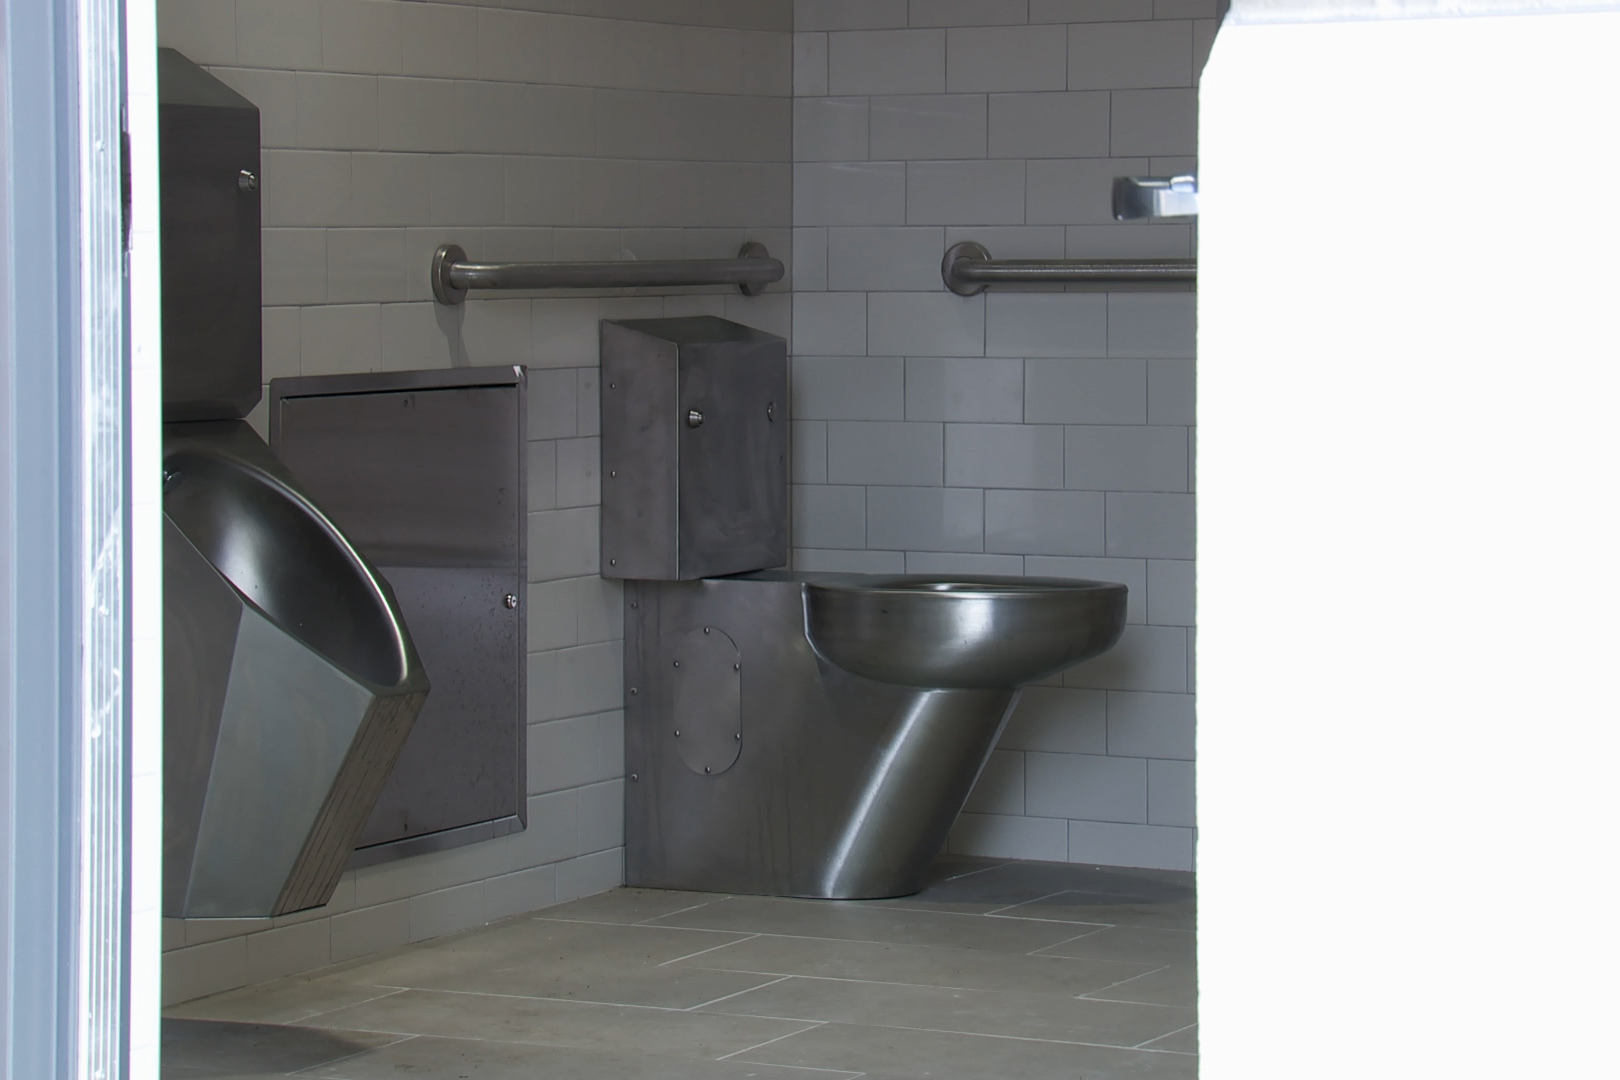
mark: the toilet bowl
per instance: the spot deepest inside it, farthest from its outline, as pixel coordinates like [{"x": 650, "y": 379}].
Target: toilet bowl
[{"x": 816, "y": 735}]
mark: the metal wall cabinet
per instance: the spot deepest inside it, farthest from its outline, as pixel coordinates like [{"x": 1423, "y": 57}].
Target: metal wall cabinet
[
  {"x": 425, "y": 472},
  {"x": 694, "y": 449}
]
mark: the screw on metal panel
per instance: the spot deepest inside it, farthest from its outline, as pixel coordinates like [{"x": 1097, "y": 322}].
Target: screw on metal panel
[
  {"x": 633, "y": 604},
  {"x": 613, "y": 562},
  {"x": 634, "y": 691},
  {"x": 613, "y": 386},
  {"x": 677, "y": 733},
  {"x": 635, "y": 776},
  {"x": 677, "y": 663},
  {"x": 736, "y": 667},
  {"x": 705, "y": 629},
  {"x": 738, "y": 736},
  {"x": 770, "y": 412},
  {"x": 707, "y": 769},
  {"x": 613, "y": 472},
  {"x": 511, "y": 602}
]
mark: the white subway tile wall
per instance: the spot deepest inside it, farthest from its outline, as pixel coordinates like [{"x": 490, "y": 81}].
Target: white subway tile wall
[
  {"x": 520, "y": 129},
  {"x": 1040, "y": 431}
]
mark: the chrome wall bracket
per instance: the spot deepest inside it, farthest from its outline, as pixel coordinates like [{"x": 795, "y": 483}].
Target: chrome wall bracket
[
  {"x": 452, "y": 275},
  {"x": 1165, "y": 197}
]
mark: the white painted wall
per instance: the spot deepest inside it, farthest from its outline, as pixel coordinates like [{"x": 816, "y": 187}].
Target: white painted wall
[
  {"x": 1020, "y": 431},
  {"x": 519, "y": 131},
  {"x": 1409, "y": 519}
]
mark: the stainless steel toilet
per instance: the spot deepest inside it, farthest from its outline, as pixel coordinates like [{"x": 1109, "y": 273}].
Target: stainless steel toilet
[
  {"x": 290, "y": 680},
  {"x": 790, "y": 733}
]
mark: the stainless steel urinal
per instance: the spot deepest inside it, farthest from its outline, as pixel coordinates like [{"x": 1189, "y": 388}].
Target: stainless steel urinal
[{"x": 290, "y": 682}]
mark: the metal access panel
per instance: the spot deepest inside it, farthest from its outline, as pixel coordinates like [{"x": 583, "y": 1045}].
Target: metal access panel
[
  {"x": 694, "y": 449},
  {"x": 425, "y": 472},
  {"x": 208, "y": 163}
]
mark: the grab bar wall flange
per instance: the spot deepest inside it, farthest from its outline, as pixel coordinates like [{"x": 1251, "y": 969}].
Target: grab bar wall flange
[
  {"x": 968, "y": 270},
  {"x": 452, "y": 275}
]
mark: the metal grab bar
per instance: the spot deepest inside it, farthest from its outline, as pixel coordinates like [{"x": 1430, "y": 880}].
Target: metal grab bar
[
  {"x": 750, "y": 271},
  {"x": 968, "y": 269}
]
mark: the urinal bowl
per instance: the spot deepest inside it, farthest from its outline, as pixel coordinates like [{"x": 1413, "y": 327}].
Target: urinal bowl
[
  {"x": 816, "y": 735},
  {"x": 291, "y": 683}
]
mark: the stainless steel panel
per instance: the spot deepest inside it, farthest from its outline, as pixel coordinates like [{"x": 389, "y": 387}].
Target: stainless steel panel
[
  {"x": 707, "y": 700},
  {"x": 694, "y": 449},
  {"x": 425, "y": 471},
  {"x": 209, "y": 138},
  {"x": 290, "y": 683}
]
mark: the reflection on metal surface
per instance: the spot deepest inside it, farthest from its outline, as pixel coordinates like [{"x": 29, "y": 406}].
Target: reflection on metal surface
[
  {"x": 291, "y": 683},
  {"x": 871, "y": 705},
  {"x": 1173, "y": 197},
  {"x": 988, "y": 632},
  {"x": 453, "y": 274},
  {"x": 968, "y": 270}
]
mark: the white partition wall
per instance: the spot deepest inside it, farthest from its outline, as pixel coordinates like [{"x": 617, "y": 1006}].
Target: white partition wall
[{"x": 1409, "y": 374}]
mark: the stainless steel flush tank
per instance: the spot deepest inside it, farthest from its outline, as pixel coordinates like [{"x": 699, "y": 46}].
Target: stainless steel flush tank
[
  {"x": 788, "y": 732},
  {"x": 290, "y": 680}
]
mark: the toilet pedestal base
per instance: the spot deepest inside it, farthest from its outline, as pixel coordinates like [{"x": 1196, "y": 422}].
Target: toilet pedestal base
[{"x": 754, "y": 766}]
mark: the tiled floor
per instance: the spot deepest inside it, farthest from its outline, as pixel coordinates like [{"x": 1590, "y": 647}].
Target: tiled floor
[{"x": 998, "y": 969}]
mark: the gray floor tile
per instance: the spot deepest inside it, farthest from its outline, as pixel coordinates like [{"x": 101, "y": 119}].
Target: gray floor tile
[
  {"x": 1086, "y": 907},
  {"x": 995, "y": 969},
  {"x": 628, "y": 905},
  {"x": 618, "y": 964},
  {"x": 458, "y": 1059},
  {"x": 562, "y": 947},
  {"x": 921, "y": 965},
  {"x": 230, "y": 1048},
  {"x": 559, "y": 1023},
  {"x": 974, "y": 1012},
  {"x": 1176, "y": 985},
  {"x": 187, "y": 1072},
  {"x": 1133, "y": 944},
  {"x": 285, "y": 1001},
  {"x": 948, "y": 1056},
  {"x": 856, "y": 921},
  {"x": 1020, "y": 882},
  {"x": 1185, "y": 1042}
]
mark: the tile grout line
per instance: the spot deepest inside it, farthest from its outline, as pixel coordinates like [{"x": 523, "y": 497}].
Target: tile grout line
[
  {"x": 681, "y": 911},
  {"x": 739, "y": 993},
  {"x": 1021, "y": 903},
  {"x": 710, "y": 949},
  {"x": 1065, "y": 941},
  {"x": 940, "y": 986},
  {"x": 1122, "y": 982},
  {"x": 750, "y": 1049},
  {"x": 391, "y": 992},
  {"x": 305, "y": 1071},
  {"x": 1166, "y": 1035}
]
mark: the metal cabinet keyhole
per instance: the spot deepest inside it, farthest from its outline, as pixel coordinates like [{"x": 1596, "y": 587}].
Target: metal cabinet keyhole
[{"x": 694, "y": 418}]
